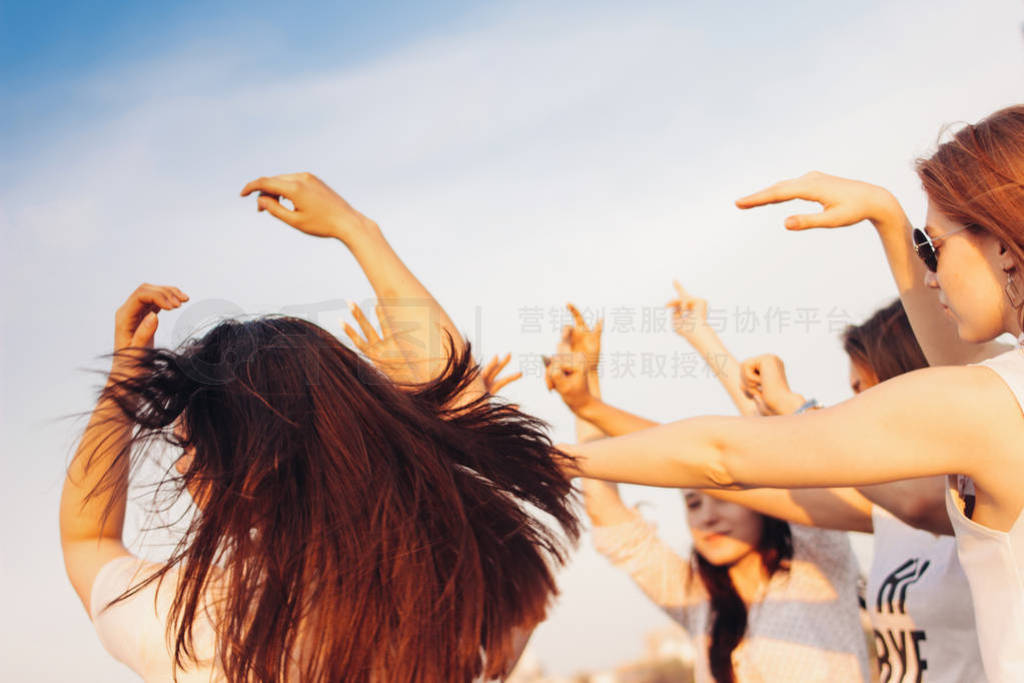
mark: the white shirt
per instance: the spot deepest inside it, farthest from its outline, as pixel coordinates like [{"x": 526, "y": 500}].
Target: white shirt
[
  {"x": 806, "y": 627},
  {"x": 920, "y": 607},
  {"x": 994, "y": 560}
]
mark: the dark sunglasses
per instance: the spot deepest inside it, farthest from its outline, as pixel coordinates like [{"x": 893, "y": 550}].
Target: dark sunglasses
[{"x": 926, "y": 247}]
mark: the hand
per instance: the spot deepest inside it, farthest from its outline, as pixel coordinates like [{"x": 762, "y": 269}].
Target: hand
[
  {"x": 764, "y": 380},
  {"x": 566, "y": 373},
  {"x": 490, "y": 373},
  {"x": 578, "y": 338},
  {"x": 135, "y": 322},
  {"x": 383, "y": 349},
  {"x": 689, "y": 313},
  {"x": 844, "y": 201},
  {"x": 319, "y": 210}
]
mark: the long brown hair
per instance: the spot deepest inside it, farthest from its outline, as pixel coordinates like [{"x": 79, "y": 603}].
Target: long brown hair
[
  {"x": 728, "y": 611},
  {"x": 885, "y": 343},
  {"x": 977, "y": 177},
  {"x": 363, "y": 531}
]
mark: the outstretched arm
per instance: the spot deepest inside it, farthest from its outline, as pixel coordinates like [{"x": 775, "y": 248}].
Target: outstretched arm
[
  {"x": 690, "y": 321},
  {"x": 846, "y": 202},
  {"x": 419, "y": 320},
  {"x": 899, "y": 430},
  {"x": 97, "y": 479}
]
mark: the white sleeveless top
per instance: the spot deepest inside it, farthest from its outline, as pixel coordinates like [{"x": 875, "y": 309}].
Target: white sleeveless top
[
  {"x": 920, "y": 607},
  {"x": 994, "y": 560}
]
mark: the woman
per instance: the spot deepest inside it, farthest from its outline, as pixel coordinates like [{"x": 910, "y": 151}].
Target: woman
[
  {"x": 346, "y": 527},
  {"x": 941, "y": 420},
  {"x": 763, "y": 599}
]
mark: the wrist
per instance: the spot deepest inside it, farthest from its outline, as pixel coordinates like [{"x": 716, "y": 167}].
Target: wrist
[
  {"x": 887, "y": 214},
  {"x": 586, "y": 409},
  {"x": 789, "y": 404}
]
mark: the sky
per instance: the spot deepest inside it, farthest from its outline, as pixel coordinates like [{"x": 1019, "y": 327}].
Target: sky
[{"x": 517, "y": 156}]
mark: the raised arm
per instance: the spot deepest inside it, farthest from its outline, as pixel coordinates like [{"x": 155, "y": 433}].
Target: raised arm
[
  {"x": 925, "y": 423},
  {"x": 404, "y": 301},
  {"x": 847, "y": 202},
  {"x": 690, "y": 321},
  {"x": 93, "y": 501}
]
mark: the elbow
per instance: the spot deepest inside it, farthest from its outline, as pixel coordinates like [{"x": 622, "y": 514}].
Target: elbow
[{"x": 722, "y": 468}]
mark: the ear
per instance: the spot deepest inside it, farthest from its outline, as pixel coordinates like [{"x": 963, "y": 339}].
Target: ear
[{"x": 1006, "y": 257}]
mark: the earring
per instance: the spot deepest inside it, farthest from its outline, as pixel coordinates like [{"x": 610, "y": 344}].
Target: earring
[{"x": 1014, "y": 291}]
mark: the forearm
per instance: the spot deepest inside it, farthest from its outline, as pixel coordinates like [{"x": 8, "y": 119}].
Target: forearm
[
  {"x": 96, "y": 463},
  {"x": 920, "y": 503},
  {"x": 587, "y": 431},
  {"x": 935, "y": 331},
  {"x": 843, "y": 509},
  {"x": 611, "y": 420},
  {"x": 723, "y": 364}
]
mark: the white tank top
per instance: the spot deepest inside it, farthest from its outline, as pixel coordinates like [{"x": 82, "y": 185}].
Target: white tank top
[
  {"x": 920, "y": 607},
  {"x": 994, "y": 560}
]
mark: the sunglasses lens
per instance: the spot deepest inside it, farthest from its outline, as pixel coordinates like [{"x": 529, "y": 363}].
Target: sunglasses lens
[{"x": 925, "y": 250}]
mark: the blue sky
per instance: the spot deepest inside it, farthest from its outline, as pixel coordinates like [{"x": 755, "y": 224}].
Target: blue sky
[{"x": 516, "y": 156}]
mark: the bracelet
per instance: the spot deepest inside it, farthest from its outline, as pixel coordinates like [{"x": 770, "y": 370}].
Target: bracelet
[{"x": 809, "y": 404}]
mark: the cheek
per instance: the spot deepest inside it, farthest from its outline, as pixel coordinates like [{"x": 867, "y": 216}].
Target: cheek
[{"x": 976, "y": 305}]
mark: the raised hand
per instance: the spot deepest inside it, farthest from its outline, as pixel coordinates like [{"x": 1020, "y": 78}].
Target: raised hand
[
  {"x": 318, "y": 210},
  {"x": 490, "y": 373},
  {"x": 579, "y": 338},
  {"x": 135, "y": 322},
  {"x": 689, "y": 313},
  {"x": 384, "y": 350},
  {"x": 844, "y": 201},
  {"x": 764, "y": 380},
  {"x": 566, "y": 373}
]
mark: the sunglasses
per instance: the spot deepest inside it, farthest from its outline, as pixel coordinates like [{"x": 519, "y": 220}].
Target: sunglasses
[{"x": 926, "y": 247}]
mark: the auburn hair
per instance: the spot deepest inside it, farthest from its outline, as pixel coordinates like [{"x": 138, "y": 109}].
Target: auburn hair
[
  {"x": 977, "y": 177},
  {"x": 357, "y": 530}
]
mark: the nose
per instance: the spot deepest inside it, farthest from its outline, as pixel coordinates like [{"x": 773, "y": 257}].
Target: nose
[{"x": 931, "y": 281}]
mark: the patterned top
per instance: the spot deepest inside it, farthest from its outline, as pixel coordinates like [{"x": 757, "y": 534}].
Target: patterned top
[{"x": 805, "y": 627}]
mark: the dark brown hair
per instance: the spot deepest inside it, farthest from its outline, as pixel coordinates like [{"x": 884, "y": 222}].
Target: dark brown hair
[
  {"x": 363, "y": 531},
  {"x": 885, "y": 343},
  {"x": 728, "y": 611}
]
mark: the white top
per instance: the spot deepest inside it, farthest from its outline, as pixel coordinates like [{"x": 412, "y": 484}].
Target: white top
[
  {"x": 920, "y": 607},
  {"x": 806, "y": 627},
  {"x": 134, "y": 630},
  {"x": 994, "y": 560}
]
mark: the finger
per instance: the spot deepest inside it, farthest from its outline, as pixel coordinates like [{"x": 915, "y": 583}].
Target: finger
[
  {"x": 501, "y": 362},
  {"x": 505, "y": 381},
  {"x": 577, "y": 316},
  {"x": 784, "y": 191},
  {"x": 490, "y": 370},
  {"x": 599, "y": 327},
  {"x": 144, "y": 333},
  {"x": 830, "y": 218},
  {"x": 281, "y": 186},
  {"x": 683, "y": 294},
  {"x": 354, "y": 336},
  {"x": 384, "y": 322},
  {"x": 269, "y": 203},
  {"x": 365, "y": 325}
]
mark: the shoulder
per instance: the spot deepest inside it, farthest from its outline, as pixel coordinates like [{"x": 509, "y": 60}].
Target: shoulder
[{"x": 128, "y": 628}]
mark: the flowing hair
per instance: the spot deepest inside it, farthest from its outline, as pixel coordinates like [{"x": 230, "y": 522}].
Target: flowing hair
[
  {"x": 728, "y": 611},
  {"x": 356, "y": 530}
]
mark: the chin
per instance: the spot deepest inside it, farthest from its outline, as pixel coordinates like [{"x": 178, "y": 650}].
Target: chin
[{"x": 975, "y": 334}]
